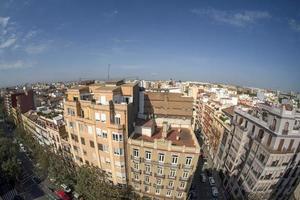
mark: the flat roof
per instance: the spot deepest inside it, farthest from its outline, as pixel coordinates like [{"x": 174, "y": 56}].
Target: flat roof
[{"x": 185, "y": 135}]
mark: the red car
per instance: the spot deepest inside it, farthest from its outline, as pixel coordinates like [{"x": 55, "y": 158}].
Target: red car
[{"x": 63, "y": 195}]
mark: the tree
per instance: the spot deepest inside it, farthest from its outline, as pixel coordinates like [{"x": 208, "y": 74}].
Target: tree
[{"x": 9, "y": 168}]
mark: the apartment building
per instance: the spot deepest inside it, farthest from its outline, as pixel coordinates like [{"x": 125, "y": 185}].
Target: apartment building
[
  {"x": 163, "y": 150},
  {"x": 48, "y": 132},
  {"x": 261, "y": 155},
  {"x": 99, "y": 118}
]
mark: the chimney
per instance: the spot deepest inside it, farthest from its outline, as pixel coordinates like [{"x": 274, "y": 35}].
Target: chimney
[{"x": 165, "y": 129}]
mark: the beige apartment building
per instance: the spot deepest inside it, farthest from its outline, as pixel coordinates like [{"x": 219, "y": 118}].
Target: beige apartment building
[
  {"x": 99, "y": 118},
  {"x": 163, "y": 150}
]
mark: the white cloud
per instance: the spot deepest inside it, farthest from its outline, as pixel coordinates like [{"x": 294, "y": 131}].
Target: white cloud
[
  {"x": 4, "y": 21},
  {"x": 8, "y": 43},
  {"x": 240, "y": 19},
  {"x": 19, "y": 64},
  {"x": 36, "y": 48},
  {"x": 294, "y": 25}
]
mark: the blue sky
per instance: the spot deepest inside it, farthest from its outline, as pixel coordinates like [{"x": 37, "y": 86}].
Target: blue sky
[{"x": 249, "y": 43}]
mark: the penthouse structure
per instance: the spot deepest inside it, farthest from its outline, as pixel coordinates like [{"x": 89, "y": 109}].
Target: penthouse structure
[
  {"x": 163, "y": 150},
  {"x": 262, "y": 153},
  {"x": 99, "y": 118}
]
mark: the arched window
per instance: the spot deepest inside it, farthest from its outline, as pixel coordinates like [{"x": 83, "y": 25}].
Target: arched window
[
  {"x": 273, "y": 126},
  {"x": 260, "y": 134}
]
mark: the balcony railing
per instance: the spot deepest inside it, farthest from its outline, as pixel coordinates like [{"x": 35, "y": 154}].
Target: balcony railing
[
  {"x": 158, "y": 186},
  {"x": 172, "y": 177},
  {"x": 147, "y": 183},
  {"x": 136, "y": 181},
  {"x": 159, "y": 175},
  {"x": 136, "y": 170},
  {"x": 136, "y": 158},
  {"x": 147, "y": 173}
]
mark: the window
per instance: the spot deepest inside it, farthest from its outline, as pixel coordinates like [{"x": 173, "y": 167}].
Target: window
[
  {"x": 103, "y": 117},
  {"x": 185, "y": 174},
  {"x": 168, "y": 193},
  {"x": 118, "y": 151},
  {"x": 97, "y": 117},
  {"x": 136, "y": 166},
  {"x": 188, "y": 160},
  {"x": 135, "y": 152},
  {"x": 157, "y": 191},
  {"x": 158, "y": 181},
  {"x": 179, "y": 195},
  {"x": 148, "y": 155},
  {"x": 92, "y": 144},
  {"x": 147, "y": 189},
  {"x": 82, "y": 141},
  {"x": 117, "y": 119},
  {"x": 71, "y": 124},
  {"x": 105, "y": 148},
  {"x": 71, "y": 111},
  {"x": 102, "y": 100},
  {"x": 100, "y": 147},
  {"x": 117, "y": 137},
  {"x": 182, "y": 185},
  {"x": 246, "y": 124},
  {"x": 147, "y": 179},
  {"x": 136, "y": 176},
  {"x": 286, "y": 129},
  {"x": 171, "y": 183},
  {"x": 172, "y": 173},
  {"x": 174, "y": 159},
  {"x": 160, "y": 170},
  {"x": 81, "y": 127},
  {"x": 98, "y": 132},
  {"x": 161, "y": 157},
  {"x": 253, "y": 129},
  {"x": 90, "y": 130},
  {"x": 148, "y": 168},
  {"x": 104, "y": 134}
]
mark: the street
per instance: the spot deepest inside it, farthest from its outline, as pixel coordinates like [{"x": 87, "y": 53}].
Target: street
[
  {"x": 29, "y": 189},
  {"x": 203, "y": 190}
]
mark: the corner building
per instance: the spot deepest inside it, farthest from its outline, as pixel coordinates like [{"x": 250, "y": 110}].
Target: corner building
[{"x": 99, "y": 118}]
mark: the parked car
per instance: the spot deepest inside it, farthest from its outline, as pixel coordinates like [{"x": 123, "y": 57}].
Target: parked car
[
  {"x": 203, "y": 177},
  {"x": 214, "y": 191},
  {"x": 62, "y": 195},
  {"x": 212, "y": 181},
  {"x": 66, "y": 188}
]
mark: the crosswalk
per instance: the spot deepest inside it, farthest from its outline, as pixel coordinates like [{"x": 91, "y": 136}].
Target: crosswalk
[{"x": 9, "y": 195}]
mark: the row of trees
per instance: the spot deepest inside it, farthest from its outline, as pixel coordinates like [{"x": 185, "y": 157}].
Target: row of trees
[
  {"x": 9, "y": 167},
  {"x": 89, "y": 181}
]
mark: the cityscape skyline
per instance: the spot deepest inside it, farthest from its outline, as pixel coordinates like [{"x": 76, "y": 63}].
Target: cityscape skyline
[{"x": 196, "y": 41}]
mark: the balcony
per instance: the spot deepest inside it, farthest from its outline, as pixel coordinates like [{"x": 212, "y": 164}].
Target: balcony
[
  {"x": 136, "y": 170},
  {"x": 159, "y": 175},
  {"x": 188, "y": 166},
  {"x": 147, "y": 183},
  {"x": 180, "y": 189},
  {"x": 172, "y": 177},
  {"x": 139, "y": 159},
  {"x": 136, "y": 181},
  {"x": 147, "y": 173},
  {"x": 183, "y": 178},
  {"x": 170, "y": 187},
  {"x": 158, "y": 186},
  {"x": 116, "y": 126}
]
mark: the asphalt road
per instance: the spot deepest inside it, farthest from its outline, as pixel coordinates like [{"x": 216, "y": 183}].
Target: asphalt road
[{"x": 202, "y": 191}]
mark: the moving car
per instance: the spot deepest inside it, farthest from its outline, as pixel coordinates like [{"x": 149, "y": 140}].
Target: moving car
[{"x": 212, "y": 181}]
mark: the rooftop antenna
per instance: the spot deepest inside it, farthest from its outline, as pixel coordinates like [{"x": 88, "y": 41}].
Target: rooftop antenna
[{"x": 108, "y": 69}]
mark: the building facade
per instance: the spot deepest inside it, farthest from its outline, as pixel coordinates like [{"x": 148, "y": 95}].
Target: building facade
[{"x": 261, "y": 155}]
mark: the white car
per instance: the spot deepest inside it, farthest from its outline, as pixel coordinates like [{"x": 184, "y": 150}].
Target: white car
[
  {"x": 214, "y": 191},
  {"x": 212, "y": 181},
  {"x": 66, "y": 188}
]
